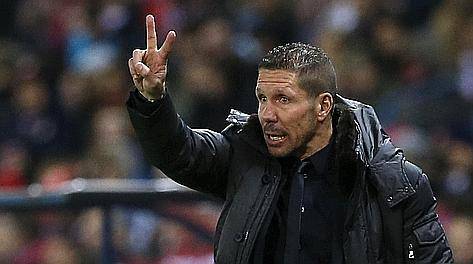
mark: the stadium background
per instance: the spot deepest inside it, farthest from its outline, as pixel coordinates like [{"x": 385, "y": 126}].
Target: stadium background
[{"x": 64, "y": 81}]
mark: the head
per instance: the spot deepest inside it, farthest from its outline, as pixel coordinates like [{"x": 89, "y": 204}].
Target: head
[{"x": 295, "y": 89}]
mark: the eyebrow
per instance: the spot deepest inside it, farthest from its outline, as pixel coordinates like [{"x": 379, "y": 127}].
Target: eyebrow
[
  {"x": 273, "y": 81},
  {"x": 276, "y": 90}
]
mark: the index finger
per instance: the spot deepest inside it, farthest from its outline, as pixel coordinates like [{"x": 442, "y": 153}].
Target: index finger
[{"x": 151, "y": 39}]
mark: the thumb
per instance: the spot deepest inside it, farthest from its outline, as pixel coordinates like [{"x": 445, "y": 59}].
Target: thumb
[{"x": 142, "y": 69}]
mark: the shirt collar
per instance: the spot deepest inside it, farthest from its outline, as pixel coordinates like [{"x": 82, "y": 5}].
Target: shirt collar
[{"x": 319, "y": 160}]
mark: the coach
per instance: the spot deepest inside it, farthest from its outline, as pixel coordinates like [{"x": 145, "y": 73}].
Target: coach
[{"x": 312, "y": 178}]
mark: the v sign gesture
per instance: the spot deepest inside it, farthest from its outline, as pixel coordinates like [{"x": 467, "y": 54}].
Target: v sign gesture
[{"x": 148, "y": 67}]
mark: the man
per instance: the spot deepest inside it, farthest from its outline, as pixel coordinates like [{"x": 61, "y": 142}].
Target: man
[{"x": 312, "y": 178}]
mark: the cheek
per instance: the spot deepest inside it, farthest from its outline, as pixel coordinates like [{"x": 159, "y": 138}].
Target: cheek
[{"x": 304, "y": 127}]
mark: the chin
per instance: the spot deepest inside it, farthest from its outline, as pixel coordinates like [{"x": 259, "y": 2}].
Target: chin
[{"x": 278, "y": 153}]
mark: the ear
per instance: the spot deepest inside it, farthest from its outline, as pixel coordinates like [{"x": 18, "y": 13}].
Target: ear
[{"x": 325, "y": 101}]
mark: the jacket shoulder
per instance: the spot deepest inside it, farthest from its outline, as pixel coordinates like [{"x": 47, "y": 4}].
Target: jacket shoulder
[
  {"x": 245, "y": 128},
  {"x": 413, "y": 173},
  {"x": 239, "y": 122},
  {"x": 237, "y": 117}
]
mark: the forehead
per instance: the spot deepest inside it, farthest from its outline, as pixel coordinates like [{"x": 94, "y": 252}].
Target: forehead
[
  {"x": 265, "y": 75},
  {"x": 275, "y": 78}
]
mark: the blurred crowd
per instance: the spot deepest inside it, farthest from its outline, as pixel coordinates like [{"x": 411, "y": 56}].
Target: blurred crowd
[{"x": 64, "y": 82}]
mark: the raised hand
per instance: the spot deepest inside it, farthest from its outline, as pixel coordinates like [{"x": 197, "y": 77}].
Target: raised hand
[{"x": 148, "y": 67}]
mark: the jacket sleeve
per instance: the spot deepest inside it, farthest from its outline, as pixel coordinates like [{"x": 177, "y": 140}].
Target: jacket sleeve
[
  {"x": 424, "y": 240},
  {"x": 198, "y": 159}
]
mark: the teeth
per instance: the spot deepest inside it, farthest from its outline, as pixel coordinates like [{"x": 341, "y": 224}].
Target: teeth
[{"x": 275, "y": 138}]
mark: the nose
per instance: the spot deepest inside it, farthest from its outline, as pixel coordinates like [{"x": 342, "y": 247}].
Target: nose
[{"x": 267, "y": 113}]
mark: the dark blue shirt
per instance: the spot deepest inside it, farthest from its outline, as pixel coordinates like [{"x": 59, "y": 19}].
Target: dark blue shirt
[
  {"x": 323, "y": 214},
  {"x": 322, "y": 221}
]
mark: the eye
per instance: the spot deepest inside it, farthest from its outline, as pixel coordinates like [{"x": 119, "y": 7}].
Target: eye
[
  {"x": 262, "y": 98},
  {"x": 283, "y": 99}
]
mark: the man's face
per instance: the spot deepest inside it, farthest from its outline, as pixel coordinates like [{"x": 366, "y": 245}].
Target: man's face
[{"x": 286, "y": 112}]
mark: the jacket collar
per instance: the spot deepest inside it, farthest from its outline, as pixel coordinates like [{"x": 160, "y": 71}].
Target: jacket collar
[{"x": 361, "y": 137}]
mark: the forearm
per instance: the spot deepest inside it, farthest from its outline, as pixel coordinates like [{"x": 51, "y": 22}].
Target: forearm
[
  {"x": 156, "y": 124},
  {"x": 195, "y": 158}
]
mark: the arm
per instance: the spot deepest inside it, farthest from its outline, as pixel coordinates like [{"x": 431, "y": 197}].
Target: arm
[
  {"x": 425, "y": 240},
  {"x": 196, "y": 158}
]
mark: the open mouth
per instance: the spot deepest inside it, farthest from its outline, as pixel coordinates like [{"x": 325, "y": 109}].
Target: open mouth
[{"x": 274, "y": 140}]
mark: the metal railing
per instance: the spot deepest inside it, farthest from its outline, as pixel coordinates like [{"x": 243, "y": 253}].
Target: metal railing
[{"x": 104, "y": 193}]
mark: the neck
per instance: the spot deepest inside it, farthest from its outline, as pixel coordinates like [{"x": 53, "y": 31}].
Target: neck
[{"x": 320, "y": 140}]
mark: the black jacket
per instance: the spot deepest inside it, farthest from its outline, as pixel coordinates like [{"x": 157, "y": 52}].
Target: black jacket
[{"x": 391, "y": 214}]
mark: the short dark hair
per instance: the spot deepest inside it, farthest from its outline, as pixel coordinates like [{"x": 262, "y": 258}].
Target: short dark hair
[{"x": 313, "y": 67}]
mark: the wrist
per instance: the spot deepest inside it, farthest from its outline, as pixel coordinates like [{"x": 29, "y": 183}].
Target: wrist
[
  {"x": 151, "y": 98},
  {"x": 148, "y": 98}
]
